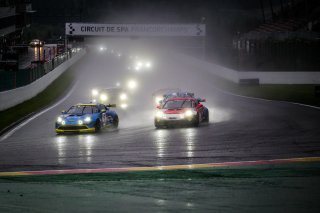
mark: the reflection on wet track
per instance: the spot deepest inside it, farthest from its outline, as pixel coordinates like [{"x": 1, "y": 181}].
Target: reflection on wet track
[
  {"x": 161, "y": 142},
  {"x": 239, "y": 129}
]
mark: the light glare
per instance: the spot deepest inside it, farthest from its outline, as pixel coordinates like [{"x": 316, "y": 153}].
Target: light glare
[
  {"x": 132, "y": 84},
  {"x": 103, "y": 97}
]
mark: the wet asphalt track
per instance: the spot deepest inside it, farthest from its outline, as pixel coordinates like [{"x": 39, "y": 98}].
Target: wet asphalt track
[{"x": 240, "y": 128}]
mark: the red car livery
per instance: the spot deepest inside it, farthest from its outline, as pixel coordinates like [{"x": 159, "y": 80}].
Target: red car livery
[{"x": 185, "y": 110}]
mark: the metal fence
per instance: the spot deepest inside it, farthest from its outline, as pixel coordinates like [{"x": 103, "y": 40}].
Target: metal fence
[
  {"x": 275, "y": 55},
  {"x": 11, "y": 79}
]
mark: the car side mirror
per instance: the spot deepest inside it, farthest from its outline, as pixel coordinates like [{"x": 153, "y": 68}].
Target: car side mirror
[{"x": 201, "y": 100}]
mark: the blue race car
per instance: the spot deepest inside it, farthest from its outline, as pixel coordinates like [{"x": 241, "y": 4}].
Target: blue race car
[{"x": 87, "y": 118}]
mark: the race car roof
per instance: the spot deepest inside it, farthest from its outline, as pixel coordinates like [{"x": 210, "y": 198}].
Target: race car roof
[{"x": 181, "y": 98}]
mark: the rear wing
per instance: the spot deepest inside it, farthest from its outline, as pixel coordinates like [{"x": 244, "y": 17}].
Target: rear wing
[
  {"x": 179, "y": 94},
  {"x": 163, "y": 94},
  {"x": 160, "y": 94}
]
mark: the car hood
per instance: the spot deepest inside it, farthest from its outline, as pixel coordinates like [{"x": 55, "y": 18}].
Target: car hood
[{"x": 70, "y": 117}]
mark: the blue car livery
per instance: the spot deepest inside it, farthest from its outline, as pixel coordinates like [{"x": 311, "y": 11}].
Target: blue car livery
[{"x": 86, "y": 118}]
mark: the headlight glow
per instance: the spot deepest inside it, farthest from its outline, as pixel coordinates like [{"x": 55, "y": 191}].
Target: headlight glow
[
  {"x": 63, "y": 123},
  {"x": 123, "y": 96},
  {"x": 159, "y": 114},
  {"x": 132, "y": 84},
  {"x": 158, "y": 99},
  {"x": 139, "y": 64},
  {"x": 148, "y": 64},
  {"x": 124, "y": 106},
  {"x": 136, "y": 68},
  {"x": 94, "y": 92},
  {"x": 188, "y": 113},
  {"x": 87, "y": 120},
  {"x": 59, "y": 119},
  {"x": 80, "y": 122},
  {"x": 103, "y": 97}
]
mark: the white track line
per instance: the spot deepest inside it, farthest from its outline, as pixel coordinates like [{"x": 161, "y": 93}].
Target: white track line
[
  {"x": 8, "y": 134},
  {"x": 262, "y": 99}
]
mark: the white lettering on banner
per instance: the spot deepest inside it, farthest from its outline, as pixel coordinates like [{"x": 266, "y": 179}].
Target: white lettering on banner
[{"x": 135, "y": 29}]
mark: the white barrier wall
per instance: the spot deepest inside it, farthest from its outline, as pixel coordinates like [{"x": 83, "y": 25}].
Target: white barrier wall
[
  {"x": 283, "y": 77},
  {"x": 264, "y": 77},
  {"x": 16, "y": 96}
]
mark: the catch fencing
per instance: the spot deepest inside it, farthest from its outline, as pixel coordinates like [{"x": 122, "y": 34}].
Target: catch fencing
[{"x": 12, "y": 79}]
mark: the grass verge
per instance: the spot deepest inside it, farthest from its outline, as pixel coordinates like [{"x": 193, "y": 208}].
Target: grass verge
[
  {"x": 304, "y": 94},
  {"x": 280, "y": 188},
  {"x": 54, "y": 91},
  {"x": 304, "y": 169}
]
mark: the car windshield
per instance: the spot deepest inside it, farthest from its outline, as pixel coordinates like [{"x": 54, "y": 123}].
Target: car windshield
[
  {"x": 80, "y": 110},
  {"x": 177, "y": 104}
]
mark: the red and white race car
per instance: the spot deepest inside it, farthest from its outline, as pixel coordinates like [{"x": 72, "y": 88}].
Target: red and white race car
[{"x": 180, "y": 108}]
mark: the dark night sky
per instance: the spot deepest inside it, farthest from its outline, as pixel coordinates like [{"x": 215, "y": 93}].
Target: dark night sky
[
  {"x": 224, "y": 18},
  {"x": 135, "y": 10}
]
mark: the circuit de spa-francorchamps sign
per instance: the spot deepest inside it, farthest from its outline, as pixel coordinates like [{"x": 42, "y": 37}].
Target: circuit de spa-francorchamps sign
[{"x": 89, "y": 29}]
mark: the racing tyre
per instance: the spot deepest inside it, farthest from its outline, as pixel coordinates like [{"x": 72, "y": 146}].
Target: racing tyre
[
  {"x": 196, "y": 121},
  {"x": 116, "y": 122},
  {"x": 206, "y": 119},
  {"x": 97, "y": 126},
  {"x": 156, "y": 124}
]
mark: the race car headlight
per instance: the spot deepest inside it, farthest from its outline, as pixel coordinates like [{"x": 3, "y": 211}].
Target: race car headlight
[
  {"x": 188, "y": 113},
  {"x": 80, "y": 122},
  {"x": 94, "y": 92},
  {"x": 158, "y": 99},
  {"x": 103, "y": 97},
  {"x": 124, "y": 106},
  {"x": 123, "y": 96},
  {"x": 59, "y": 120},
  {"x": 159, "y": 114},
  {"x": 132, "y": 84},
  {"x": 139, "y": 63},
  {"x": 63, "y": 122},
  {"x": 148, "y": 64},
  {"x": 87, "y": 120}
]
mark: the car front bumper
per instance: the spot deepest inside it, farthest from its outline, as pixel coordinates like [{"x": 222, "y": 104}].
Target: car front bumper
[
  {"x": 77, "y": 129},
  {"x": 175, "y": 119}
]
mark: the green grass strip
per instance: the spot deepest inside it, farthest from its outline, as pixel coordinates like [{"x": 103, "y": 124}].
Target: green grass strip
[
  {"x": 299, "y": 93},
  {"x": 48, "y": 96},
  {"x": 310, "y": 169}
]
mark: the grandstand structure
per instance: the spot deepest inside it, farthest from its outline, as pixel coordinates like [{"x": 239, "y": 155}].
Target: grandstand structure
[{"x": 288, "y": 41}]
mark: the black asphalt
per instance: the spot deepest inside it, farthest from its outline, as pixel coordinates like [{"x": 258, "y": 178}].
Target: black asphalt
[{"x": 239, "y": 129}]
